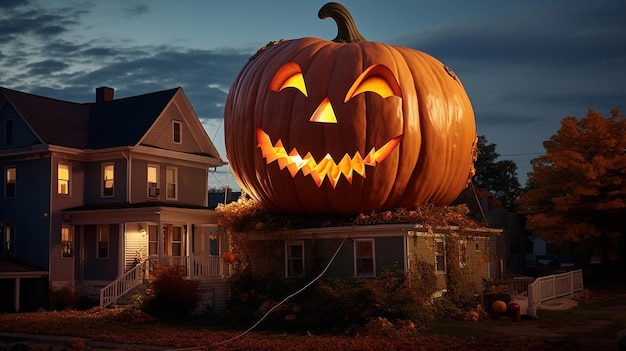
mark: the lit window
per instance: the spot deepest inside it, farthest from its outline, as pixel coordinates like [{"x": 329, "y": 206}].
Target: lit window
[
  {"x": 63, "y": 179},
  {"x": 177, "y": 241},
  {"x": 10, "y": 183},
  {"x": 295, "y": 259},
  {"x": 8, "y": 132},
  {"x": 66, "y": 242},
  {"x": 153, "y": 181},
  {"x": 440, "y": 256},
  {"x": 103, "y": 241},
  {"x": 171, "y": 180},
  {"x": 364, "y": 258},
  {"x": 9, "y": 244},
  {"x": 108, "y": 175},
  {"x": 176, "y": 132}
]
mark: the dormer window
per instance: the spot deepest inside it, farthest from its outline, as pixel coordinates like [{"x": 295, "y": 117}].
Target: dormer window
[{"x": 177, "y": 132}]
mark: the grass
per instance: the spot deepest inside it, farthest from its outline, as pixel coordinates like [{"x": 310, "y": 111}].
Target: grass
[{"x": 444, "y": 334}]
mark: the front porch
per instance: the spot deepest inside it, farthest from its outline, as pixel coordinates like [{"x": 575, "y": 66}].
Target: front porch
[{"x": 210, "y": 270}]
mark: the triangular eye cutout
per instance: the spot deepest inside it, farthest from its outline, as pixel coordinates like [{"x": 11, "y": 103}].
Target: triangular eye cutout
[
  {"x": 288, "y": 76},
  {"x": 376, "y": 79}
]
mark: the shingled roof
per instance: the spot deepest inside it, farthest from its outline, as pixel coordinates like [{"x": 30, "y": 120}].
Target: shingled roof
[{"x": 102, "y": 124}]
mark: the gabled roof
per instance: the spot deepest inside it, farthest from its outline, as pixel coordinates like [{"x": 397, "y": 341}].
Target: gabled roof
[
  {"x": 96, "y": 125},
  {"x": 53, "y": 121},
  {"x": 123, "y": 122}
]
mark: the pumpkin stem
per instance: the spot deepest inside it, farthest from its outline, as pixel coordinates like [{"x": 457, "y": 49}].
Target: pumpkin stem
[{"x": 346, "y": 28}]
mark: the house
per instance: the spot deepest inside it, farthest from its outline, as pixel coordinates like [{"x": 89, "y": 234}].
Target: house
[
  {"x": 509, "y": 249},
  {"x": 363, "y": 250},
  {"x": 96, "y": 193}
]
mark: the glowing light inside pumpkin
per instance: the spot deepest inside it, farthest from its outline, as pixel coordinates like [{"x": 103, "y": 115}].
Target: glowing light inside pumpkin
[
  {"x": 377, "y": 79},
  {"x": 326, "y": 167}
]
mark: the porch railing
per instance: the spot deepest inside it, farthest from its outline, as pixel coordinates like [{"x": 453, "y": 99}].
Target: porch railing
[
  {"x": 112, "y": 292},
  {"x": 551, "y": 287},
  {"x": 199, "y": 266},
  {"x": 196, "y": 266}
]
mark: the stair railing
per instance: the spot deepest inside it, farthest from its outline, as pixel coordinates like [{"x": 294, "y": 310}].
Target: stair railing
[{"x": 112, "y": 292}]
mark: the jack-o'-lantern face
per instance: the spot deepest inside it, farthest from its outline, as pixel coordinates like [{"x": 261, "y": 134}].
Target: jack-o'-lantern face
[
  {"x": 348, "y": 126},
  {"x": 376, "y": 79}
]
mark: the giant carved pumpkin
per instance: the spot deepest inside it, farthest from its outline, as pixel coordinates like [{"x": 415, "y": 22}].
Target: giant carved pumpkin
[{"x": 348, "y": 126}]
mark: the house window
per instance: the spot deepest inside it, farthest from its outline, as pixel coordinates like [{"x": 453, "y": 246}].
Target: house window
[
  {"x": 63, "y": 179},
  {"x": 294, "y": 259},
  {"x": 153, "y": 240},
  {"x": 108, "y": 175},
  {"x": 171, "y": 183},
  {"x": 176, "y": 132},
  {"x": 462, "y": 253},
  {"x": 440, "y": 256},
  {"x": 9, "y": 244},
  {"x": 153, "y": 181},
  {"x": 477, "y": 246},
  {"x": 103, "y": 241},
  {"x": 364, "y": 258},
  {"x": 8, "y": 132},
  {"x": 10, "y": 182},
  {"x": 177, "y": 241},
  {"x": 66, "y": 242}
]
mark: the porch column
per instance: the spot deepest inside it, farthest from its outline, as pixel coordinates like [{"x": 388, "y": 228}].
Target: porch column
[
  {"x": 121, "y": 249},
  {"x": 16, "y": 300},
  {"x": 161, "y": 242}
]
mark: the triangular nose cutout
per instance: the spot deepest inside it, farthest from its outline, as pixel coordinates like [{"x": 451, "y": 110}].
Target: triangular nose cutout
[{"x": 324, "y": 113}]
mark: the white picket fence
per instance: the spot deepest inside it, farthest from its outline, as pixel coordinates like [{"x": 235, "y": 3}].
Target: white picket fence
[{"x": 551, "y": 287}]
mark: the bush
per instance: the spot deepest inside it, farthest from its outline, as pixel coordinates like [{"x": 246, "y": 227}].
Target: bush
[
  {"x": 65, "y": 298},
  {"x": 338, "y": 305},
  {"x": 171, "y": 294}
]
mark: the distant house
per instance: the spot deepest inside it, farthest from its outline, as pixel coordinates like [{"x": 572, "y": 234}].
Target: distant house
[
  {"x": 510, "y": 249},
  {"x": 89, "y": 190}
]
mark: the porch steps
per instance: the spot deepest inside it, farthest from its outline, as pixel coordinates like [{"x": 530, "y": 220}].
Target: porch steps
[{"x": 127, "y": 299}]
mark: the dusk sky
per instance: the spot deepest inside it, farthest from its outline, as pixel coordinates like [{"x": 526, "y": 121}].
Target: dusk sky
[{"x": 525, "y": 64}]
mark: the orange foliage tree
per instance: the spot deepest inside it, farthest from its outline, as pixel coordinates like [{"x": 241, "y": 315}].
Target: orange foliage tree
[{"x": 577, "y": 190}]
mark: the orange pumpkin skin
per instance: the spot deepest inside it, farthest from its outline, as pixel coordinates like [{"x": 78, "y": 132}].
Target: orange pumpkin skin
[
  {"x": 429, "y": 113},
  {"x": 229, "y": 257}
]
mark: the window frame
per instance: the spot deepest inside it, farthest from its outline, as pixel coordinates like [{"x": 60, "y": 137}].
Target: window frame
[
  {"x": 177, "y": 135},
  {"x": 10, "y": 185},
  {"x": 104, "y": 189},
  {"x": 154, "y": 184},
  {"x": 463, "y": 253},
  {"x": 67, "y": 181},
  {"x": 9, "y": 241},
  {"x": 179, "y": 243},
  {"x": 168, "y": 183},
  {"x": 290, "y": 272},
  {"x": 440, "y": 252},
  {"x": 357, "y": 258},
  {"x": 103, "y": 229},
  {"x": 67, "y": 241}
]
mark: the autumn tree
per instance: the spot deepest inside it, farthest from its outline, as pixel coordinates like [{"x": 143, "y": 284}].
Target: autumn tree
[{"x": 577, "y": 189}]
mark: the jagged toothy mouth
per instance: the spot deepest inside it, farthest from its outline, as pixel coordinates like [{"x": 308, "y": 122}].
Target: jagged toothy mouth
[{"x": 326, "y": 167}]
